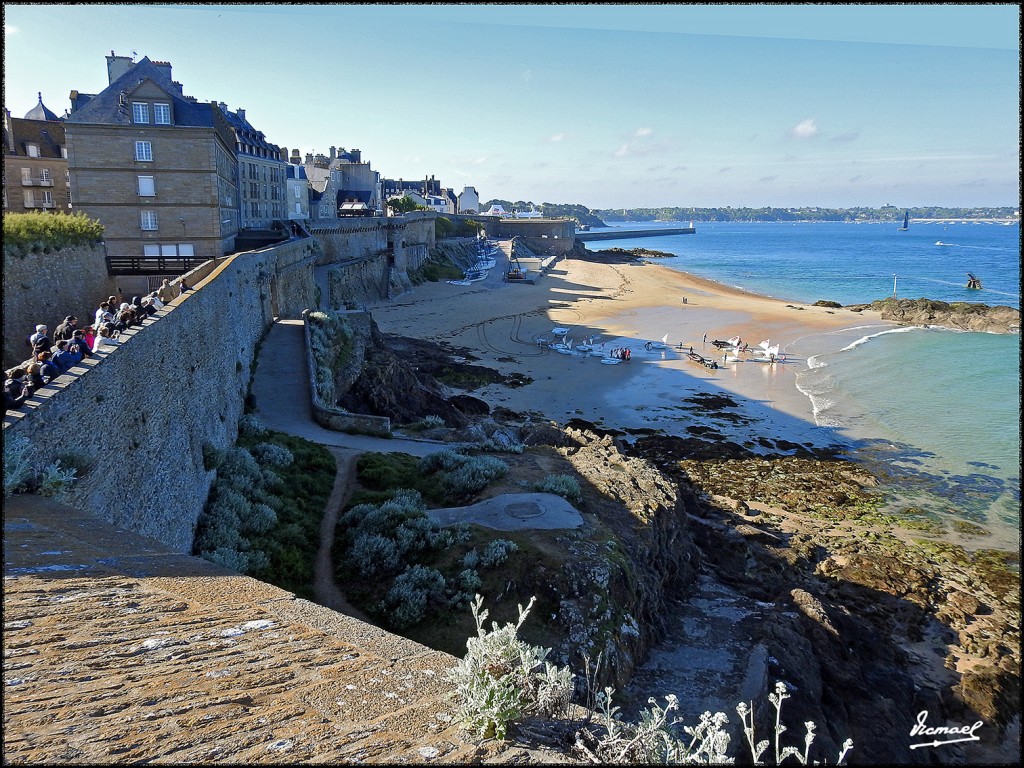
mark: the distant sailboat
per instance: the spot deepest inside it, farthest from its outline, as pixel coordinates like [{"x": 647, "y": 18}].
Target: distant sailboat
[{"x": 906, "y": 221}]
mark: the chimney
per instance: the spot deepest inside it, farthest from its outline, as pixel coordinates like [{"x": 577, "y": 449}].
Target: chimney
[
  {"x": 165, "y": 69},
  {"x": 295, "y": 159},
  {"x": 241, "y": 113},
  {"x": 357, "y": 156},
  {"x": 334, "y": 152},
  {"x": 309, "y": 158},
  {"x": 117, "y": 66}
]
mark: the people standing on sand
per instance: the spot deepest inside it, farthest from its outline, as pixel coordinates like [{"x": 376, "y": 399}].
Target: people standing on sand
[{"x": 705, "y": 340}]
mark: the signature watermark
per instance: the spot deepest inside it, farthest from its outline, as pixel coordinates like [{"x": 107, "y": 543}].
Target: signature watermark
[{"x": 956, "y": 734}]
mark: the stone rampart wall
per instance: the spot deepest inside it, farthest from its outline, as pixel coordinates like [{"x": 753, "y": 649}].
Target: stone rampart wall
[
  {"x": 329, "y": 416},
  {"x": 141, "y": 414},
  {"x": 44, "y": 288}
]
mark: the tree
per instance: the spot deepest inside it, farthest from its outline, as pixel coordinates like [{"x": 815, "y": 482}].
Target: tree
[{"x": 404, "y": 204}]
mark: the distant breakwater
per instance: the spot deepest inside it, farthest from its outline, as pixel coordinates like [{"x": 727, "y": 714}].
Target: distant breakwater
[{"x": 620, "y": 234}]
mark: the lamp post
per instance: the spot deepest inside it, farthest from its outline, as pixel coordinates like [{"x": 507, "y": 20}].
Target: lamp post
[{"x": 894, "y": 286}]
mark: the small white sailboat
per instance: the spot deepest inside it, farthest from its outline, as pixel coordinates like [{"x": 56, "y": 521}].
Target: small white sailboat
[
  {"x": 663, "y": 344},
  {"x": 559, "y": 331}
]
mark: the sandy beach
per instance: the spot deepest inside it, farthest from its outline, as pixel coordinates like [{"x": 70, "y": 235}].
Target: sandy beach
[{"x": 626, "y": 305}]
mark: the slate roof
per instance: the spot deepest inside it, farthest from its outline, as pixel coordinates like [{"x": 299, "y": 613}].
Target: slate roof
[
  {"x": 106, "y": 108},
  {"x": 49, "y": 135},
  {"x": 248, "y": 136},
  {"x": 40, "y": 112},
  {"x": 363, "y": 196},
  {"x": 296, "y": 172}
]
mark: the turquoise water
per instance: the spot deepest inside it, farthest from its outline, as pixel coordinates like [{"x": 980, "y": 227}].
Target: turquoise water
[{"x": 935, "y": 411}]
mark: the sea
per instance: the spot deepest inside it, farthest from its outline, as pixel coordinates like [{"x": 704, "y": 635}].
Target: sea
[{"x": 933, "y": 412}]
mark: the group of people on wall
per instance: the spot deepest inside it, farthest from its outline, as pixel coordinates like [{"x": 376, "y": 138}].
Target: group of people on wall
[{"x": 52, "y": 356}]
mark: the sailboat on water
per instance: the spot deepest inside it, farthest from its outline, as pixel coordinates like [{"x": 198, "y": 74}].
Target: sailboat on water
[{"x": 906, "y": 221}]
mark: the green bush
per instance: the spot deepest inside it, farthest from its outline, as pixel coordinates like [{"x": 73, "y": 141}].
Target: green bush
[{"x": 40, "y": 232}]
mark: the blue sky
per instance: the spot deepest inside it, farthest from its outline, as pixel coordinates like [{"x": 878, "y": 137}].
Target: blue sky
[{"x": 608, "y": 106}]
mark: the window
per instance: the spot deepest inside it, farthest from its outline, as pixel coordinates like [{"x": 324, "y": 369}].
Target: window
[
  {"x": 140, "y": 112},
  {"x": 298, "y": 193},
  {"x": 30, "y": 200},
  {"x": 47, "y": 198},
  {"x": 162, "y": 114},
  {"x": 147, "y": 186},
  {"x": 32, "y": 150},
  {"x": 298, "y": 207},
  {"x": 64, "y": 152},
  {"x": 26, "y": 175},
  {"x": 144, "y": 151},
  {"x": 151, "y": 251},
  {"x": 44, "y": 176},
  {"x": 186, "y": 251},
  {"x": 169, "y": 251},
  {"x": 149, "y": 220}
]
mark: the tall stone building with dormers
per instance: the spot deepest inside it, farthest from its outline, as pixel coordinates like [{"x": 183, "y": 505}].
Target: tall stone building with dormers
[
  {"x": 262, "y": 174},
  {"x": 156, "y": 167},
  {"x": 35, "y": 162}
]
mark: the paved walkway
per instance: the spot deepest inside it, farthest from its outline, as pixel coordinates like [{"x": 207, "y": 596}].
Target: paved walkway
[{"x": 118, "y": 650}]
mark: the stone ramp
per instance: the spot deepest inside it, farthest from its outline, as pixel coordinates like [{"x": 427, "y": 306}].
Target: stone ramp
[{"x": 119, "y": 650}]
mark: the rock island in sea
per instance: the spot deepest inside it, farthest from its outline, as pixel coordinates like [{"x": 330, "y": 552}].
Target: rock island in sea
[{"x": 741, "y": 543}]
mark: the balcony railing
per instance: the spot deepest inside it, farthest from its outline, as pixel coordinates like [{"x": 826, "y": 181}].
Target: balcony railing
[
  {"x": 36, "y": 182},
  {"x": 140, "y": 265}
]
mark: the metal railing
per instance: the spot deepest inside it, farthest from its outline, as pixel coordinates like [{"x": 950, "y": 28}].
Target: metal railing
[{"x": 140, "y": 265}]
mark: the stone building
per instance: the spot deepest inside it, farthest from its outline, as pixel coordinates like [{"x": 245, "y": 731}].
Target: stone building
[
  {"x": 262, "y": 174},
  {"x": 156, "y": 167},
  {"x": 469, "y": 201},
  {"x": 343, "y": 184},
  {"x": 297, "y": 189},
  {"x": 35, "y": 162}
]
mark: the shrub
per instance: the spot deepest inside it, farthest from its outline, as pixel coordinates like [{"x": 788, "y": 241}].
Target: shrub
[
  {"x": 270, "y": 453},
  {"x": 374, "y": 555},
  {"x": 250, "y": 426},
  {"x": 411, "y": 595},
  {"x": 56, "y": 479},
  {"x": 38, "y": 231},
  {"x": 461, "y": 475},
  {"x": 501, "y": 678},
  {"x": 17, "y": 467},
  {"x": 566, "y": 486},
  {"x": 497, "y": 552}
]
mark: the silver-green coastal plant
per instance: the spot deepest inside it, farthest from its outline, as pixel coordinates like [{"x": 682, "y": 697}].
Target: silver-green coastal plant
[
  {"x": 566, "y": 486},
  {"x": 329, "y": 334},
  {"x": 502, "y": 679},
  {"x": 781, "y": 752},
  {"x": 21, "y": 475}
]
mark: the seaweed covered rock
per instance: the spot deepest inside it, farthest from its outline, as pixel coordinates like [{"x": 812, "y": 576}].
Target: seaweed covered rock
[{"x": 960, "y": 315}]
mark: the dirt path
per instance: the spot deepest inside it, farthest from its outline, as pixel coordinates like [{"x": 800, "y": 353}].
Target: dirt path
[{"x": 324, "y": 587}]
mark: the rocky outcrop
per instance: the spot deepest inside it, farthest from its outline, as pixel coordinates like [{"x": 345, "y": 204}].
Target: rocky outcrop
[{"x": 961, "y": 316}]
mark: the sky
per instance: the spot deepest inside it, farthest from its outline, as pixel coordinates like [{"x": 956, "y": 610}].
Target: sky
[{"x": 608, "y": 106}]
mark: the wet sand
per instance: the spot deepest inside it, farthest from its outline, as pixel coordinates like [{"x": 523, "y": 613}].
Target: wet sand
[{"x": 627, "y": 305}]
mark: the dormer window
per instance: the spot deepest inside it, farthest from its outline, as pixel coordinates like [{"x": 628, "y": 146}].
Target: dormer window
[
  {"x": 140, "y": 112},
  {"x": 162, "y": 114},
  {"x": 32, "y": 150}
]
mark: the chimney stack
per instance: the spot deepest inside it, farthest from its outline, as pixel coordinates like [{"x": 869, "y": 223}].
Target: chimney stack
[
  {"x": 333, "y": 152},
  {"x": 117, "y": 66},
  {"x": 241, "y": 113}
]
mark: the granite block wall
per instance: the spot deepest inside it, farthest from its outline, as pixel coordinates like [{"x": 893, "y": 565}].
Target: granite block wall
[
  {"x": 139, "y": 417},
  {"x": 43, "y": 288}
]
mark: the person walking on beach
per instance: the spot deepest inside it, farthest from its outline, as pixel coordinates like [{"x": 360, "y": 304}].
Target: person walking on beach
[{"x": 705, "y": 340}]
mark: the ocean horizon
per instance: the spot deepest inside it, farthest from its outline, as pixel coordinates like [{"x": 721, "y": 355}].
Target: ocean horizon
[{"x": 935, "y": 412}]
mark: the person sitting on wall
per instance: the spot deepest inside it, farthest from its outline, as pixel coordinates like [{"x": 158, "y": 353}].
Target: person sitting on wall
[
  {"x": 64, "y": 358},
  {"x": 15, "y": 390},
  {"x": 107, "y": 339},
  {"x": 40, "y": 335},
  {"x": 66, "y": 329},
  {"x": 125, "y": 317},
  {"x": 155, "y": 301},
  {"x": 34, "y": 377},
  {"x": 165, "y": 292},
  {"x": 47, "y": 369},
  {"x": 89, "y": 336},
  {"x": 103, "y": 315},
  {"x": 146, "y": 308},
  {"x": 79, "y": 344},
  {"x": 183, "y": 287}
]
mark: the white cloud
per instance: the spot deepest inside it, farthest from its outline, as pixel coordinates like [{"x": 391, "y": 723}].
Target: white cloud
[
  {"x": 806, "y": 129},
  {"x": 622, "y": 151},
  {"x": 479, "y": 160},
  {"x": 642, "y": 132},
  {"x": 10, "y": 29},
  {"x": 557, "y": 137}
]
